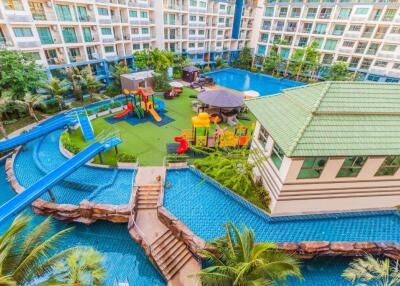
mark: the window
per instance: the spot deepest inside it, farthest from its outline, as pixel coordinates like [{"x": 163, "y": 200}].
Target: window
[
  {"x": 348, "y": 44},
  {"x": 311, "y": 13},
  {"x": 330, "y": 45},
  {"x": 325, "y": 13},
  {"x": 342, "y": 59},
  {"x": 2, "y": 38},
  {"x": 344, "y": 13},
  {"x": 144, "y": 14},
  {"x": 63, "y": 12},
  {"x": 45, "y": 36},
  {"x": 389, "y": 48},
  {"x": 338, "y": 30},
  {"x": 376, "y": 14},
  {"x": 23, "y": 32},
  {"x": 145, "y": 31},
  {"x": 296, "y": 12},
  {"x": 13, "y": 5},
  {"x": 395, "y": 30},
  {"x": 285, "y": 53},
  {"x": 354, "y": 62},
  {"x": 109, "y": 49},
  {"x": 37, "y": 10},
  {"x": 355, "y": 28},
  {"x": 318, "y": 42},
  {"x": 69, "y": 35},
  {"x": 102, "y": 11},
  {"x": 87, "y": 34},
  {"x": 193, "y": 3},
  {"x": 263, "y": 136},
  {"x": 381, "y": 64},
  {"x": 366, "y": 63},
  {"x": 327, "y": 59},
  {"x": 106, "y": 31},
  {"x": 389, "y": 15},
  {"x": 373, "y": 48},
  {"x": 283, "y": 12},
  {"x": 269, "y": 11},
  {"x": 74, "y": 54},
  {"x": 192, "y": 18},
  {"x": 396, "y": 66},
  {"x": 202, "y": 4},
  {"x": 389, "y": 167},
  {"x": 133, "y": 14},
  {"x": 361, "y": 11},
  {"x": 352, "y": 166},
  {"x": 361, "y": 47},
  {"x": 277, "y": 155},
  {"x": 303, "y": 41},
  {"x": 320, "y": 28},
  {"x": 312, "y": 167},
  {"x": 136, "y": 46}
]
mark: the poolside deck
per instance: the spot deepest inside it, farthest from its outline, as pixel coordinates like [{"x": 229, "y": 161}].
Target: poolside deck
[{"x": 167, "y": 251}]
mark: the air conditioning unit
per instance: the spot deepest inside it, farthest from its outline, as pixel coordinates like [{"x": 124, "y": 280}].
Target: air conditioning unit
[
  {"x": 90, "y": 7},
  {"x": 94, "y": 28},
  {"x": 54, "y": 28},
  {"x": 49, "y": 4},
  {"x": 61, "y": 51}
]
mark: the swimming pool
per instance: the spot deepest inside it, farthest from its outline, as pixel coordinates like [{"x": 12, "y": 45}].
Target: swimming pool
[{"x": 242, "y": 80}]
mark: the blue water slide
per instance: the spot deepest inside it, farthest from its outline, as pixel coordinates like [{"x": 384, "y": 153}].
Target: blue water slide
[
  {"x": 36, "y": 132},
  {"x": 86, "y": 126},
  {"x": 22, "y": 200}
]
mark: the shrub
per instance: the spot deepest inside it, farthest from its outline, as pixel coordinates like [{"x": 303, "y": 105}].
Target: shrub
[
  {"x": 207, "y": 69},
  {"x": 176, "y": 158},
  {"x": 254, "y": 69},
  {"x": 112, "y": 90},
  {"x": 161, "y": 82},
  {"x": 116, "y": 104},
  {"x": 126, "y": 158},
  {"x": 103, "y": 108},
  {"x": 177, "y": 74},
  {"x": 69, "y": 145},
  {"x": 89, "y": 112}
]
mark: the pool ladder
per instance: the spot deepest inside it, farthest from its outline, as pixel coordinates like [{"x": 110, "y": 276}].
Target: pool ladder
[{"x": 118, "y": 283}]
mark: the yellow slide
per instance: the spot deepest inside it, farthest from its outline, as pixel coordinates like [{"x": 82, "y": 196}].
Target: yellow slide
[{"x": 150, "y": 108}]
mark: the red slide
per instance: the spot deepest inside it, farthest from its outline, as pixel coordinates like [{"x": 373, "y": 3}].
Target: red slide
[
  {"x": 125, "y": 112},
  {"x": 184, "y": 145}
]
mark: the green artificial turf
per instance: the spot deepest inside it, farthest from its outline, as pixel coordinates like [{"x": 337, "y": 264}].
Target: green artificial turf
[{"x": 146, "y": 140}]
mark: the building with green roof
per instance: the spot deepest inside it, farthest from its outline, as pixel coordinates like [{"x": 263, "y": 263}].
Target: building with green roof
[{"x": 331, "y": 146}]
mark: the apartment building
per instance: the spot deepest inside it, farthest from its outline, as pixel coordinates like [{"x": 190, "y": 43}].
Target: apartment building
[
  {"x": 63, "y": 33},
  {"x": 363, "y": 33}
]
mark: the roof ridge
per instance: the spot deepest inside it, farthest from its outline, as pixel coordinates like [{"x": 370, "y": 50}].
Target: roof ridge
[{"x": 309, "y": 119}]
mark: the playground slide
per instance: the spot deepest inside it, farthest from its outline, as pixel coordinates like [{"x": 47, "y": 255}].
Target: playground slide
[
  {"x": 155, "y": 114},
  {"x": 184, "y": 145},
  {"x": 22, "y": 200},
  {"x": 125, "y": 112},
  {"x": 36, "y": 132}
]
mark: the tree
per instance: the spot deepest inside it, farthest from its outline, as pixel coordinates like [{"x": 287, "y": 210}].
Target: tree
[
  {"x": 274, "y": 60},
  {"x": 120, "y": 69},
  {"x": 338, "y": 71},
  {"x": 57, "y": 90},
  {"x": 297, "y": 62},
  {"x": 27, "y": 254},
  {"x": 160, "y": 60},
  {"x": 93, "y": 86},
  {"x": 312, "y": 58},
  {"x": 142, "y": 59},
  {"x": 19, "y": 72},
  {"x": 32, "y": 101},
  {"x": 237, "y": 260},
  {"x": 245, "y": 59},
  {"x": 4, "y": 103},
  {"x": 78, "y": 78},
  {"x": 220, "y": 63},
  {"x": 371, "y": 271}
]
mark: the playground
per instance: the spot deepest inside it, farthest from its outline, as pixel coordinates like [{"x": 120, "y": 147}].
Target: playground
[{"x": 145, "y": 138}]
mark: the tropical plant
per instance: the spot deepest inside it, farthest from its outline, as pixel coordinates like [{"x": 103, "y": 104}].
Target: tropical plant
[
  {"x": 93, "y": 86},
  {"x": 57, "y": 90},
  {"x": 312, "y": 58},
  {"x": 78, "y": 77},
  {"x": 119, "y": 69},
  {"x": 297, "y": 62},
  {"x": 141, "y": 59},
  {"x": 4, "y": 103},
  {"x": 339, "y": 71},
  {"x": 220, "y": 63},
  {"x": 27, "y": 255},
  {"x": 32, "y": 101},
  {"x": 19, "y": 72},
  {"x": 236, "y": 259},
  {"x": 371, "y": 271},
  {"x": 274, "y": 60},
  {"x": 245, "y": 59},
  {"x": 233, "y": 170},
  {"x": 160, "y": 81}
]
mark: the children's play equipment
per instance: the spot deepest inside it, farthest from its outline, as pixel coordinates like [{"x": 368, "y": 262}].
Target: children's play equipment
[
  {"x": 141, "y": 102},
  {"x": 183, "y": 146},
  {"x": 206, "y": 135}
]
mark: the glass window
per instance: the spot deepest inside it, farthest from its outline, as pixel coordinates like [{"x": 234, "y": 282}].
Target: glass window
[
  {"x": 283, "y": 12},
  {"x": 144, "y": 14},
  {"x": 63, "y": 12},
  {"x": 352, "y": 166},
  {"x": 45, "y": 35},
  {"x": 202, "y": 4},
  {"x": 23, "y": 32},
  {"x": 389, "y": 15},
  {"x": 311, "y": 13},
  {"x": 193, "y": 3},
  {"x": 69, "y": 35},
  {"x": 389, "y": 167},
  {"x": 338, "y": 30},
  {"x": 330, "y": 45},
  {"x": 269, "y": 11},
  {"x": 344, "y": 13},
  {"x": 389, "y": 48},
  {"x": 312, "y": 167},
  {"x": 109, "y": 49},
  {"x": 355, "y": 28},
  {"x": 277, "y": 155},
  {"x": 263, "y": 136},
  {"x": 13, "y": 5},
  {"x": 87, "y": 34},
  {"x": 133, "y": 14},
  {"x": 106, "y": 31},
  {"x": 102, "y": 11},
  {"x": 320, "y": 28},
  {"x": 361, "y": 11},
  {"x": 381, "y": 64},
  {"x": 37, "y": 10},
  {"x": 145, "y": 31},
  {"x": 366, "y": 63}
]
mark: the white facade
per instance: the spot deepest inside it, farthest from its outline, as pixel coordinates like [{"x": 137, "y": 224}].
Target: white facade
[
  {"x": 62, "y": 32},
  {"x": 366, "y": 34}
]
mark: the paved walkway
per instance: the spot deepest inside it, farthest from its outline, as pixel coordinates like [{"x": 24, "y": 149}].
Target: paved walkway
[{"x": 152, "y": 229}]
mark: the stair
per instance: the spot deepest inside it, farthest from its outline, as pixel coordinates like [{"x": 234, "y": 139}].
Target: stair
[
  {"x": 170, "y": 254},
  {"x": 86, "y": 127},
  {"x": 147, "y": 197}
]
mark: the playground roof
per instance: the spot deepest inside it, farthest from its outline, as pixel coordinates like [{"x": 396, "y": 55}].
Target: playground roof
[
  {"x": 190, "y": 69},
  {"x": 333, "y": 119},
  {"x": 221, "y": 98}
]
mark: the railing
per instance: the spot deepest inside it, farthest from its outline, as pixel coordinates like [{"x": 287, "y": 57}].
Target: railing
[{"x": 107, "y": 134}]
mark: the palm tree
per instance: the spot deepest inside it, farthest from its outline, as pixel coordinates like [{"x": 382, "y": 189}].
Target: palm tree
[
  {"x": 4, "y": 104},
  {"x": 237, "y": 260},
  {"x": 78, "y": 78},
  {"x": 32, "y": 101},
  {"x": 371, "y": 271},
  {"x": 27, "y": 254},
  {"x": 120, "y": 69},
  {"x": 93, "y": 86},
  {"x": 57, "y": 90}
]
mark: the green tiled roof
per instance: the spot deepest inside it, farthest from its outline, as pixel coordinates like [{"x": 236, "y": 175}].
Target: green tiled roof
[{"x": 333, "y": 119}]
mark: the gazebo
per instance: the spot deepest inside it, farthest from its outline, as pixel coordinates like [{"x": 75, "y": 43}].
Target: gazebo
[{"x": 190, "y": 74}]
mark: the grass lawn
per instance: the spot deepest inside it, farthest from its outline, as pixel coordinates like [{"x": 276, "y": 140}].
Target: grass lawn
[{"x": 147, "y": 140}]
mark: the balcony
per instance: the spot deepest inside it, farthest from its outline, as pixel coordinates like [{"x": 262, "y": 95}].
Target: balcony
[
  {"x": 137, "y": 4},
  {"x": 324, "y": 16},
  {"x": 379, "y": 35},
  {"x": 140, "y": 22}
]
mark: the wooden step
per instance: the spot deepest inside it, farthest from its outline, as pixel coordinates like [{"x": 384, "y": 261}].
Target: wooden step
[
  {"x": 176, "y": 256},
  {"x": 145, "y": 199},
  {"x": 174, "y": 269},
  {"x": 164, "y": 245},
  {"x": 155, "y": 187},
  {"x": 168, "y": 251},
  {"x": 152, "y": 207},
  {"x": 152, "y": 195},
  {"x": 161, "y": 238}
]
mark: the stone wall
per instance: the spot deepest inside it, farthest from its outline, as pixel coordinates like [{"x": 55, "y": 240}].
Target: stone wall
[
  {"x": 310, "y": 249},
  {"x": 86, "y": 212}
]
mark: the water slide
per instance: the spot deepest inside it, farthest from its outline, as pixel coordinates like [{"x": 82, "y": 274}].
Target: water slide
[
  {"x": 36, "y": 132},
  {"x": 22, "y": 200}
]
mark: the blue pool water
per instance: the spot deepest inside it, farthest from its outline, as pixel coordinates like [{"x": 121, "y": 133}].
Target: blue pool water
[
  {"x": 242, "y": 80},
  {"x": 205, "y": 208}
]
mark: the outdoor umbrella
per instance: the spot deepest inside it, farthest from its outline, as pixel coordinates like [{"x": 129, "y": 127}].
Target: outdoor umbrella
[
  {"x": 176, "y": 84},
  {"x": 221, "y": 98}
]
